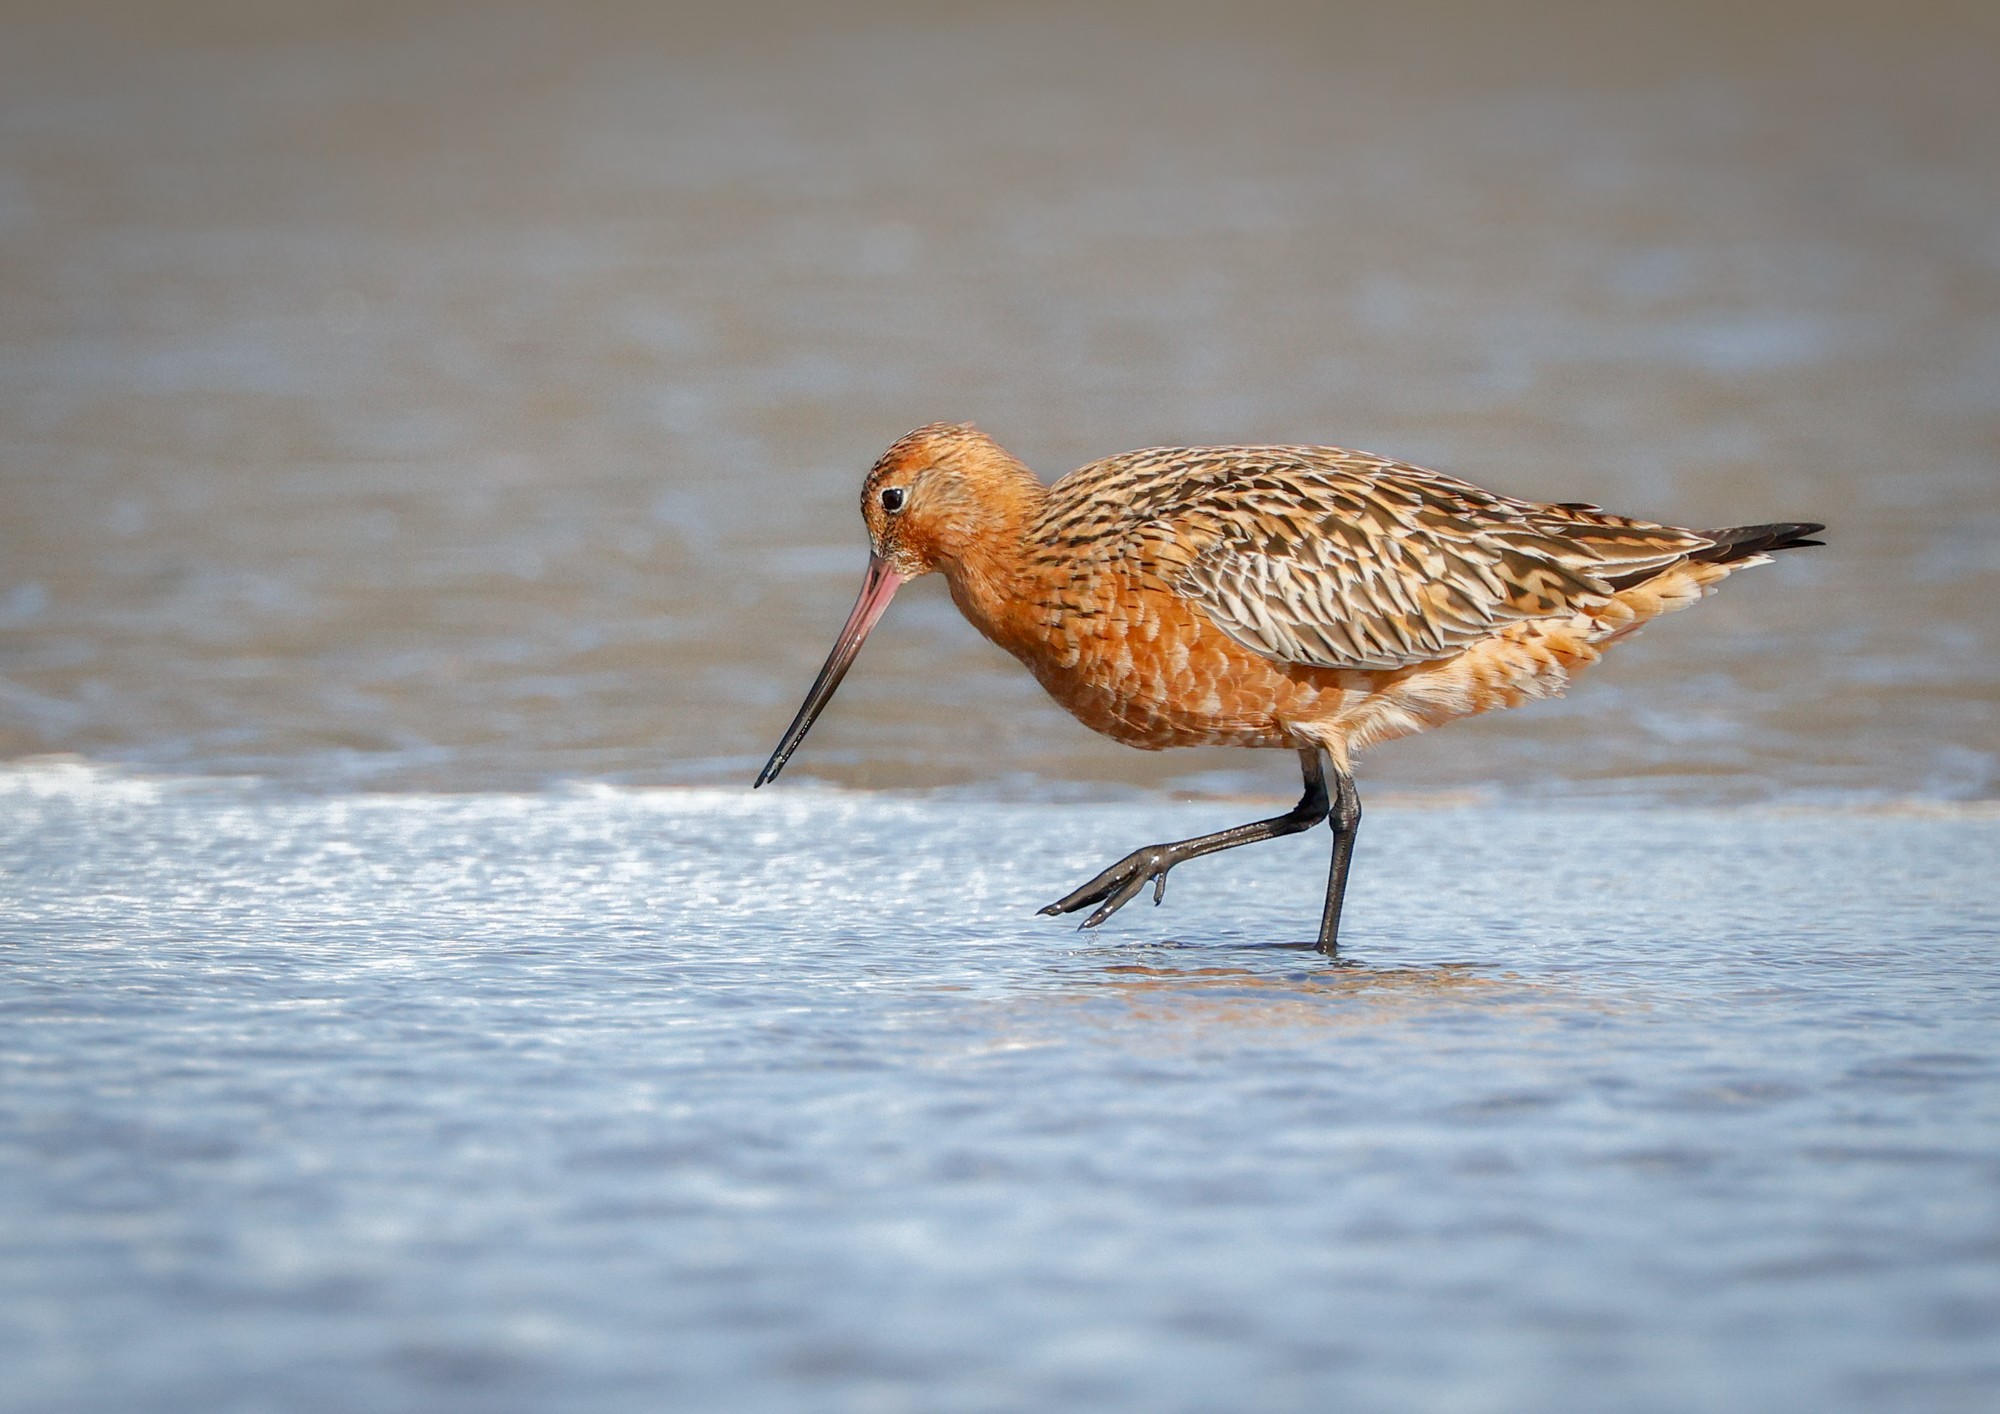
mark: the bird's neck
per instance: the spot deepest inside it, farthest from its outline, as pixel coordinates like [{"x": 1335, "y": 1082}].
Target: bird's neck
[{"x": 984, "y": 555}]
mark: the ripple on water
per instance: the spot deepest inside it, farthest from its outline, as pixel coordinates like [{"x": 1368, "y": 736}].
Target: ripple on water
[{"x": 593, "y": 1099}]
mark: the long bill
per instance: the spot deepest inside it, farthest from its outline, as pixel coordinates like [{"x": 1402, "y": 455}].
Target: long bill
[{"x": 876, "y": 591}]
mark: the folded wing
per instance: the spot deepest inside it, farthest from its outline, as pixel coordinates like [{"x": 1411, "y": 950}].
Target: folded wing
[{"x": 1335, "y": 559}]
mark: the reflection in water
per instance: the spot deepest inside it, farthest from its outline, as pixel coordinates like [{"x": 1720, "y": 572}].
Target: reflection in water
[
  {"x": 1153, "y": 1006},
  {"x": 1352, "y": 994}
]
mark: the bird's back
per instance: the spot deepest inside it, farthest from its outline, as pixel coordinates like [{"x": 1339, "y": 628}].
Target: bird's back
[{"x": 1328, "y": 558}]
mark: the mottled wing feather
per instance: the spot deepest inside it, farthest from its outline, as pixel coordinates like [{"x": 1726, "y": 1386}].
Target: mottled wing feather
[{"x": 1336, "y": 559}]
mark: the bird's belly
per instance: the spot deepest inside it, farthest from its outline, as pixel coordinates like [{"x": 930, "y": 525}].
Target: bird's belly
[
  {"x": 1141, "y": 664},
  {"x": 1150, "y": 672}
]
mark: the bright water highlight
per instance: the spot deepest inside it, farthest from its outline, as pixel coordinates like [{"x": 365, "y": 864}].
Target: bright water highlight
[{"x": 623, "y": 1100}]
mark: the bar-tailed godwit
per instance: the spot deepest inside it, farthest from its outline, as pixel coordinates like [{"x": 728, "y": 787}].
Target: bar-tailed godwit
[{"x": 1310, "y": 598}]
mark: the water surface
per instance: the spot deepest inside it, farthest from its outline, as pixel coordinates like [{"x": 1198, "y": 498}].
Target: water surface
[{"x": 622, "y": 1100}]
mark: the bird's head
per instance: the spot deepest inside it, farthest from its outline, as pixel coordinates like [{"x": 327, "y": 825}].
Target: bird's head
[{"x": 940, "y": 495}]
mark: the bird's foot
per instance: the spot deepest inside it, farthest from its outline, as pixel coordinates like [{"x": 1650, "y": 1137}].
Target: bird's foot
[{"x": 1120, "y": 884}]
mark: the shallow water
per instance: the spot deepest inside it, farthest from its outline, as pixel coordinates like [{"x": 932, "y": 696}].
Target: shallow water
[
  {"x": 610, "y": 1100},
  {"x": 475, "y": 395},
  {"x": 469, "y": 400}
]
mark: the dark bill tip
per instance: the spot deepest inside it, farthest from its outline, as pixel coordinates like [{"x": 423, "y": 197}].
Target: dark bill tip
[{"x": 877, "y": 590}]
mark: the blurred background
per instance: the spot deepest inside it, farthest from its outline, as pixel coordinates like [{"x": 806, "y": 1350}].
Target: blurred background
[{"x": 462, "y": 396}]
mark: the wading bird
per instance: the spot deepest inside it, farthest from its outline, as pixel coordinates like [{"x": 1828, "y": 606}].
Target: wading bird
[{"x": 1310, "y": 598}]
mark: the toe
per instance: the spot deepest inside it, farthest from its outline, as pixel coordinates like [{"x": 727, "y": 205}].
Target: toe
[{"x": 1120, "y": 896}]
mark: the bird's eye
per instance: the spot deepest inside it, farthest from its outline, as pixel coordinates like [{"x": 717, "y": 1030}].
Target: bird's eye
[{"x": 892, "y": 498}]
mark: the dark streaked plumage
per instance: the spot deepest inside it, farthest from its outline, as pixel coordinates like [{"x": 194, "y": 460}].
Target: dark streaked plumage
[{"x": 1302, "y": 597}]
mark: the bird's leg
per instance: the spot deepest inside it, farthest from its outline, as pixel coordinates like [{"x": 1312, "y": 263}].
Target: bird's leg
[
  {"x": 1120, "y": 884},
  {"x": 1345, "y": 820}
]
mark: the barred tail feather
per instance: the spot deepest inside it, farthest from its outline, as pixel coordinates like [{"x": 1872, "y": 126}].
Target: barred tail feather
[{"x": 1742, "y": 541}]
